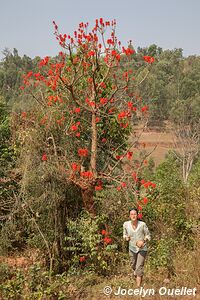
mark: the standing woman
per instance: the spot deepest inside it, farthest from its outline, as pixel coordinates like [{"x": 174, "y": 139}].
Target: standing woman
[{"x": 137, "y": 233}]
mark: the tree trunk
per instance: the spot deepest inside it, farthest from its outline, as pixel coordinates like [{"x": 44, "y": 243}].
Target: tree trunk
[{"x": 88, "y": 199}]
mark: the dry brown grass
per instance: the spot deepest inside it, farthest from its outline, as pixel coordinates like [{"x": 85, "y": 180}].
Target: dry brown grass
[
  {"x": 160, "y": 142},
  {"x": 91, "y": 286}
]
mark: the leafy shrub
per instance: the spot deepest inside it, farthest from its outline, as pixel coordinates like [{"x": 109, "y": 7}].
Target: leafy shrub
[{"x": 91, "y": 248}]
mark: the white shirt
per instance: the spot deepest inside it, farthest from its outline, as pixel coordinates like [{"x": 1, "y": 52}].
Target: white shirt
[{"x": 140, "y": 233}]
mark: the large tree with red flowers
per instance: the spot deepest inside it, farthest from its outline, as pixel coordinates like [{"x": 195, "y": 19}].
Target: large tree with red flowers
[{"x": 87, "y": 105}]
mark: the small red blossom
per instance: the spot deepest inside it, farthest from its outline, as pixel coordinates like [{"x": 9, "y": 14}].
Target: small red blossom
[
  {"x": 134, "y": 175},
  {"x": 91, "y": 53},
  {"x": 130, "y": 105},
  {"x": 90, "y": 103},
  {"x": 107, "y": 240},
  {"x": 75, "y": 167},
  {"x": 77, "y": 110},
  {"x": 144, "y": 108},
  {"x": 145, "y": 200},
  {"x": 104, "y": 140},
  {"x": 118, "y": 57},
  {"x": 129, "y": 154},
  {"x": 82, "y": 259},
  {"x": 124, "y": 125},
  {"x": 140, "y": 216},
  {"x": 97, "y": 119},
  {"x": 90, "y": 80},
  {"x": 103, "y": 100},
  {"x": 147, "y": 184},
  {"x": 44, "y": 157},
  {"x": 118, "y": 157},
  {"x": 103, "y": 85},
  {"x": 104, "y": 232},
  {"x": 101, "y": 21},
  {"x": 24, "y": 114},
  {"x": 127, "y": 51},
  {"x": 149, "y": 59},
  {"x": 87, "y": 174},
  {"x": 74, "y": 128},
  {"x": 122, "y": 115},
  {"x": 44, "y": 61},
  {"x": 98, "y": 187},
  {"x": 83, "y": 152}
]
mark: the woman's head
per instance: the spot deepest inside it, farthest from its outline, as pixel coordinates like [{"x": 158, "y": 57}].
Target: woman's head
[{"x": 133, "y": 214}]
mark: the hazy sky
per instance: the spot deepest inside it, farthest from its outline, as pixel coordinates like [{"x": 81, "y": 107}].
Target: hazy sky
[{"x": 27, "y": 24}]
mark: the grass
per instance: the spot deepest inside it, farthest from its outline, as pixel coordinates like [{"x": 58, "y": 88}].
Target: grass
[{"x": 90, "y": 286}]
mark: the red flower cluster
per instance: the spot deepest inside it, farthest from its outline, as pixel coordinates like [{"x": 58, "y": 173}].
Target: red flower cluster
[
  {"x": 82, "y": 259},
  {"x": 24, "y": 114},
  {"x": 44, "y": 157},
  {"x": 129, "y": 154},
  {"x": 87, "y": 174},
  {"x": 97, "y": 119},
  {"x": 103, "y": 100},
  {"x": 107, "y": 240},
  {"x": 145, "y": 200},
  {"x": 83, "y": 152},
  {"x": 122, "y": 115},
  {"x": 131, "y": 107},
  {"x": 77, "y": 110},
  {"x": 98, "y": 187},
  {"x": 91, "y": 53},
  {"x": 148, "y": 184},
  {"x": 74, "y": 128},
  {"x": 75, "y": 167},
  {"x": 144, "y": 108},
  {"x": 90, "y": 103},
  {"x": 149, "y": 59},
  {"x": 44, "y": 62},
  {"x": 54, "y": 99},
  {"x": 128, "y": 51},
  {"x": 104, "y": 232},
  {"x": 135, "y": 178}
]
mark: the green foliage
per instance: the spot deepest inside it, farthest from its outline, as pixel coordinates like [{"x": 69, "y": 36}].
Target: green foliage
[
  {"x": 171, "y": 223},
  {"x": 11, "y": 69},
  {"x": 85, "y": 242},
  {"x": 194, "y": 177},
  {"x": 33, "y": 284},
  {"x": 13, "y": 287}
]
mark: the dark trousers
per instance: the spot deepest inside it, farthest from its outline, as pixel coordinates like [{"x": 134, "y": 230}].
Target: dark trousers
[{"x": 137, "y": 262}]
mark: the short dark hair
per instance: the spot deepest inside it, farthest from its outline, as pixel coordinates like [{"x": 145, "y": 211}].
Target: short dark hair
[{"x": 134, "y": 208}]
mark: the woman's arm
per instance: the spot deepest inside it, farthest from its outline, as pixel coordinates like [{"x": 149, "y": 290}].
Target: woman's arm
[
  {"x": 147, "y": 235},
  {"x": 125, "y": 233}
]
